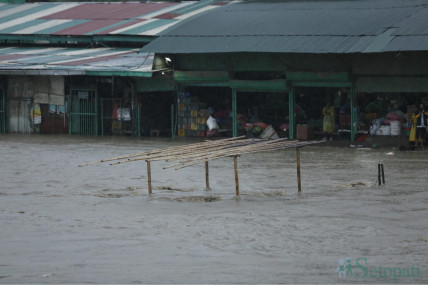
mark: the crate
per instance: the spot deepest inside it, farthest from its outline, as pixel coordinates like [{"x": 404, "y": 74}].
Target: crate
[
  {"x": 194, "y": 127},
  {"x": 194, "y": 113},
  {"x": 201, "y": 133},
  {"x": 371, "y": 116},
  {"x": 304, "y": 132},
  {"x": 344, "y": 121},
  {"x": 204, "y": 113},
  {"x": 202, "y": 127},
  {"x": 202, "y": 120},
  {"x": 191, "y": 133},
  {"x": 181, "y": 132},
  {"x": 181, "y": 107}
]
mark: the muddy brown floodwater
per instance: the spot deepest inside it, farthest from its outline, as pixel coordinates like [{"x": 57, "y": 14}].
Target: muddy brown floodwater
[{"x": 61, "y": 223}]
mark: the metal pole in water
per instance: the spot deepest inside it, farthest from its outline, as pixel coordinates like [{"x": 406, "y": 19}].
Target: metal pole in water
[
  {"x": 235, "y": 162},
  {"x": 207, "y": 176},
  {"x": 299, "y": 182},
  {"x": 149, "y": 176},
  {"x": 383, "y": 174}
]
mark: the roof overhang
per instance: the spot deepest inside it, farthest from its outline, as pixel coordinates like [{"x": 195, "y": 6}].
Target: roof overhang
[{"x": 75, "y": 61}]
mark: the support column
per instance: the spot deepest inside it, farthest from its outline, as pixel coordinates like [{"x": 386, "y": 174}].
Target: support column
[
  {"x": 70, "y": 110},
  {"x": 172, "y": 121},
  {"x": 234, "y": 117},
  {"x": 291, "y": 105},
  {"x": 96, "y": 110},
  {"x": 354, "y": 112},
  {"x": 138, "y": 121}
]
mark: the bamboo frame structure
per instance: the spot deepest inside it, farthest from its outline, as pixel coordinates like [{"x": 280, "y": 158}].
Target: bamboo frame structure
[{"x": 203, "y": 152}]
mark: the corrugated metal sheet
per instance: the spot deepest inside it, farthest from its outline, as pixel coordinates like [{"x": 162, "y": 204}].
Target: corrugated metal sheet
[
  {"x": 72, "y": 61},
  {"x": 97, "y": 18},
  {"x": 325, "y": 26}
]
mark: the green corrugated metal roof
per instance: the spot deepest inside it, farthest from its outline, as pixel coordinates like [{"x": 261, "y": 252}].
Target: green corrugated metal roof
[{"x": 325, "y": 26}]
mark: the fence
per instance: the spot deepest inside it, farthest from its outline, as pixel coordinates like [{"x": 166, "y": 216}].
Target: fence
[{"x": 83, "y": 111}]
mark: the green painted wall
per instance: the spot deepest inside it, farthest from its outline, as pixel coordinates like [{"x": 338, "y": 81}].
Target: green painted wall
[
  {"x": 153, "y": 84},
  {"x": 386, "y": 72}
]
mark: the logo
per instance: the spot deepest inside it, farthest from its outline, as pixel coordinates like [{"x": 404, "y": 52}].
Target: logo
[{"x": 361, "y": 269}]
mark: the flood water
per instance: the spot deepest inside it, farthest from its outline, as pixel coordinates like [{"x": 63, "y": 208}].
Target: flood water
[{"x": 61, "y": 223}]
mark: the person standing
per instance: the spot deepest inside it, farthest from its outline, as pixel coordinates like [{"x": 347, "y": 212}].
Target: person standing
[
  {"x": 328, "y": 121},
  {"x": 421, "y": 118}
]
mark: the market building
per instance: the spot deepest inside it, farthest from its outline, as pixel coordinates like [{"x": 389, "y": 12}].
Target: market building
[
  {"x": 77, "y": 68},
  {"x": 279, "y": 62}
]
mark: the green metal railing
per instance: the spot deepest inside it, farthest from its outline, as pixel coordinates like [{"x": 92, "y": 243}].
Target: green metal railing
[
  {"x": 83, "y": 111},
  {"x": 2, "y": 111}
]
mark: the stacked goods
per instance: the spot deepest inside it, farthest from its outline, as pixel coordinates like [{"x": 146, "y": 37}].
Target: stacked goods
[
  {"x": 395, "y": 128},
  {"x": 188, "y": 109},
  {"x": 183, "y": 114},
  {"x": 385, "y": 130},
  {"x": 202, "y": 119}
]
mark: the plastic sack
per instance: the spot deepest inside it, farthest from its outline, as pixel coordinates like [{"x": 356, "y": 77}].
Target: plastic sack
[{"x": 212, "y": 123}]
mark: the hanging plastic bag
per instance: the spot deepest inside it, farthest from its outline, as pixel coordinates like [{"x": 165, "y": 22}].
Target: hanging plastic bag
[{"x": 212, "y": 123}]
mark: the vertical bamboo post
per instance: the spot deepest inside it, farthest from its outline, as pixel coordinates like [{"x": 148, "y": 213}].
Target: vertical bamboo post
[
  {"x": 299, "y": 182},
  {"x": 378, "y": 174},
  {"x": 235, "y": 162},
  {"x": 383, "y": 174},
  {"x": 207, "y": 176},
  {"x": 149, "y": 176}
]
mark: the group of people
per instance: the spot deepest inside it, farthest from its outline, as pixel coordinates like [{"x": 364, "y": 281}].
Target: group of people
[
  {"x": 419, "y": 126},
  {"x": 417, "y": 135}
]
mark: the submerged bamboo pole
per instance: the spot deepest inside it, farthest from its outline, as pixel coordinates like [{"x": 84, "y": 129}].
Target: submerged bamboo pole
[
  {"x": 207, "y": 176},
  {"x": 235, "y": 163},
  {"x": 149, "y": 177},
  {"x": 299, "y": 183}
]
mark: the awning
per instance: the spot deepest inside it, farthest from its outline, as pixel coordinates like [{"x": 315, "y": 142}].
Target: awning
[{"x": 75, "y": 61}]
